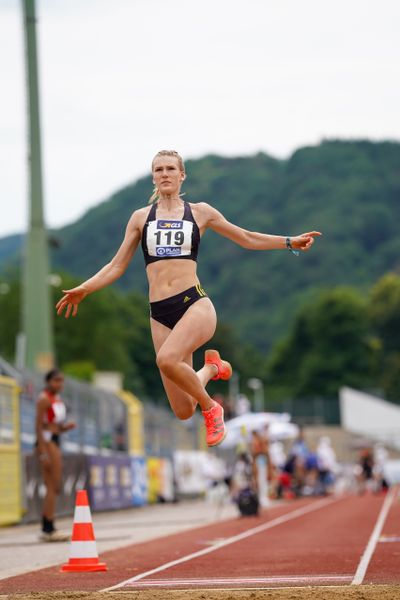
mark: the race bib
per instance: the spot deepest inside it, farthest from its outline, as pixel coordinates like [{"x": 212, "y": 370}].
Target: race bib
[
  {"x": 167, "y": 238},
  {"x": 60, "y": 412}
]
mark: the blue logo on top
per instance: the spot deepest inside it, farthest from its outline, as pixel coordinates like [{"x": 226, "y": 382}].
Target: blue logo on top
[
  {"x": 162, "y": 224},
  {"x": 168, "y": 251}
]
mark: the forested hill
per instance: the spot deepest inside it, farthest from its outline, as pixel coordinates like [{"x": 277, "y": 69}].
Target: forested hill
[{"x": 348, "y": 190}]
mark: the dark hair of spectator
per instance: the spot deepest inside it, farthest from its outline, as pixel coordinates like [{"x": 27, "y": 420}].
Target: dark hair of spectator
[{"x": 51, "y": 374}]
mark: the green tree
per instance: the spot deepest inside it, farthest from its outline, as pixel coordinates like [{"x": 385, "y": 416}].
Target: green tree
[
  {"x": 329, "y": 346},
  {"x": 384, "y": 310},
  {"x": 9, "y": 316},
  {"x": 80, "y": 369},
  {"x": 390, "y": 378}
]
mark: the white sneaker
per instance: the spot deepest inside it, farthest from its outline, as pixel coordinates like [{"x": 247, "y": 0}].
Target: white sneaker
[{"x": 54, "y": 536}]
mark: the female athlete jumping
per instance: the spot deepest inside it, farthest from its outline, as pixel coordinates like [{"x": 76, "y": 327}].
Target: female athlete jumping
[{"x": 182, "y": 316}]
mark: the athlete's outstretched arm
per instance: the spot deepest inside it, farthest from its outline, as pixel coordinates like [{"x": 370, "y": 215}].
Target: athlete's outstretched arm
[
  {"x": 252, "y": 240},
  {"x": 107, "y": 275}
]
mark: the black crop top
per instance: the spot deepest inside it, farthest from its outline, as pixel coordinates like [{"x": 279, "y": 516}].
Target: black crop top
[{"x": 170, "y": 238}]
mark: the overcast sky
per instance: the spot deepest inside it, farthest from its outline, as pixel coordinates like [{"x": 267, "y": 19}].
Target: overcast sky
[{"x": 121, "y": 79}]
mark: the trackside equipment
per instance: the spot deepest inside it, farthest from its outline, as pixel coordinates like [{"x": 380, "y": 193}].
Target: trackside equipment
[{"x": 83, "y": 550}]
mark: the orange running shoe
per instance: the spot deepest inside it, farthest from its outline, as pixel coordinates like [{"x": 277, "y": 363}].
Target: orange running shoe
[
  {"x": 212, "y": 357},
  {"x": 215, "y": 426}
]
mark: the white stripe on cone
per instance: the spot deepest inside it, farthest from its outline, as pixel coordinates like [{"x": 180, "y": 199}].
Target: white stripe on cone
[
  {"x": 82, "y": 514},
  {"x": 83, "y": 550}
]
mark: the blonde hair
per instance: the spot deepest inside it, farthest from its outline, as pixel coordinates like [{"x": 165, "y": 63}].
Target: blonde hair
[{"x": 155, "y": 195}]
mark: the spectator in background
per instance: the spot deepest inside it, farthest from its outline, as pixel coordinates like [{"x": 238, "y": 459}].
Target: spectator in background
[
  {"x": 50, "y": 424},
  {"x": 327, "y": 465},
  {"x": 311, "y": 475},
  {"x": 258, "y": 445},
  {"x": 277, "y": 460},
  {"x": 296, "y": 463},
  {"x": 242, "y": 446},
  {"x": 380, "y": 459},
  {"x": 299, "y": 447},
  {"x": 277, "y": 457},
  {"x": 271, "y": 469},
  {"x": 365, "y": 473},
  {"x": 288, "y": 485},
  {"x": 259, "y": 454}
]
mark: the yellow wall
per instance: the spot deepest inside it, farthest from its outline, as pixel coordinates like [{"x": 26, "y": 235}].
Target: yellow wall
[
  {"x": 135, "y": 423},
  {"x": 10, "y": 453}
]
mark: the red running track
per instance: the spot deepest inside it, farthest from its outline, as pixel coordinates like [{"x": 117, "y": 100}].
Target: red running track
[{"x": 307, "y": 542}]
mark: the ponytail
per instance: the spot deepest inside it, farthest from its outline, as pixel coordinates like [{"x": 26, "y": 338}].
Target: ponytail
[{"x": 155, "y": 195}]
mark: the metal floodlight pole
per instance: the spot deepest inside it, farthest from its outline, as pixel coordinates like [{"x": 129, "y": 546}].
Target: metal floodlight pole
[{"x": 36, "y": 315}]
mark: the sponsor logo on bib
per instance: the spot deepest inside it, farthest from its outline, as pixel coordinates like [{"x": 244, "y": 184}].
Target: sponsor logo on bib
[
  {"x": 168, "y": 251},
  {"x": 162, "y": 224}
]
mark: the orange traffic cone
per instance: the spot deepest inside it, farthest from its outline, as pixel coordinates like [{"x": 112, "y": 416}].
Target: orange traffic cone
[{"x": 83, "y": 550}]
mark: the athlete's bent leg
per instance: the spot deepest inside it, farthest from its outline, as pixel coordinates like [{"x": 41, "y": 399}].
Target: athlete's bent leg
[
  {"x": 206, "y": 373},
  {"x": 194, "y": 329},
  {"x": 182, "y": 403}
]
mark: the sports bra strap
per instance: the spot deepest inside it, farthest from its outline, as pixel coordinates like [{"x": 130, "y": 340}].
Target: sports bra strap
[
  {"x": 187, "y": 213},
  {"x": 152, "y": 213}
]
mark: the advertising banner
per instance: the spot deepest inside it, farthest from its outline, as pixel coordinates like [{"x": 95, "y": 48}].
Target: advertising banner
[
  {"x": 110, "y": 482},
  {"x": 139, "y": 480},
  {"x": 167, "y": 490},
  {"x": 75, "y": 477},
  {"x": 190, "y": 471}
]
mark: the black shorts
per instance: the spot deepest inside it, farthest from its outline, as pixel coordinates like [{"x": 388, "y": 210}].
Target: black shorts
[
  {"x": 169, "y": 311},
  {"x": 367, "y": 472},
  {"x": 55, "y": 437}
]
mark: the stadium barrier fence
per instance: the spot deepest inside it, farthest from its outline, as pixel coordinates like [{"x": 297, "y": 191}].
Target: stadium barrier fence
[
  {"x": 10, "y": 453},
  {"x": 121, "y": 449}
]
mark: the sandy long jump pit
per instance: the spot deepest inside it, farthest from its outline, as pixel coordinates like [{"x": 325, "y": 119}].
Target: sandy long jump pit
[{"x": 364, "y": 592}]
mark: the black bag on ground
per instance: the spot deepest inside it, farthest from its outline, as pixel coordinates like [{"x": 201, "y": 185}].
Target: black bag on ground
[{"x": 248, "y": 503}]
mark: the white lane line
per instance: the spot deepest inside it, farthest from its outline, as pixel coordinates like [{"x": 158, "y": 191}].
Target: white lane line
[
  {"x": 373, "y": 540},
  {"x": 240, "y": 581},
  {"x": 386, "y": 539},
  {"x": 227, "y": 542},
  {"x": 295, "y": 588},
  {"x": 339, "y": 586}
]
